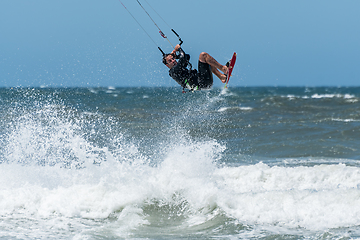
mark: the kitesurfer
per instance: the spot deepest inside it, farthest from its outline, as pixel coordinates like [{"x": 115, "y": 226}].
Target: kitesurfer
[{"x": 191, "y": 78}]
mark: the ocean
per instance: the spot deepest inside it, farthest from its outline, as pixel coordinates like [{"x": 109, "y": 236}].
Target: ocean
[{"x": 155, "y": 163}]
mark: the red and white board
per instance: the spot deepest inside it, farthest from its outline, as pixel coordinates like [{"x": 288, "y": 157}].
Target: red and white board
[{"x": 231, "y": 67}]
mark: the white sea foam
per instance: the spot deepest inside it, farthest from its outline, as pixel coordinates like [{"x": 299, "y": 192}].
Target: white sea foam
[
  {"x": 318, "y": 197},
  {"x": 346, "y": 96},
  {"x": 223, "y": 109},
  {"x": 345, "y": 120},
  {"x": 93, "y": 90},
  {"x": 54, "y": 177},
  {"x": 349, "y": 97},
  {"x": 314, "y": 198},
  {"x": 226, "y": 92}
]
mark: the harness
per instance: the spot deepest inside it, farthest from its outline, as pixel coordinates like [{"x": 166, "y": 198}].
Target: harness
[
  {"x": 186, "y": 69},
  {"x": 190, "y": 88}
]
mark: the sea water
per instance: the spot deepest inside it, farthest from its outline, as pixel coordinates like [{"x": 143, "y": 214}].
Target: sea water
[{"x": 154, "y": 163}]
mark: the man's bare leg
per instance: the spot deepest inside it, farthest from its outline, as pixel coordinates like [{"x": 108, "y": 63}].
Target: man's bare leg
[
  {"x": 215, "y": 66},
  {"x": 221, "y": 76}
]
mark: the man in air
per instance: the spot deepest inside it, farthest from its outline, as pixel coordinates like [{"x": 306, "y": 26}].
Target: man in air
[{"x": 191, "y": 78}]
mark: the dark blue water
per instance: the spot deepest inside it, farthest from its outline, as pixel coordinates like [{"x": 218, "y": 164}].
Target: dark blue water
[{"x": 130, "y": 163}]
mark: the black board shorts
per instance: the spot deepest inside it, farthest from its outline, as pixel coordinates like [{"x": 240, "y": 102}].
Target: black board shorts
[{"x": 205, "y": 76}]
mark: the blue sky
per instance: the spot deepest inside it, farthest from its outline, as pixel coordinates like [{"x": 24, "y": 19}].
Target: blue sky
[{"x": 90, "y": 43}]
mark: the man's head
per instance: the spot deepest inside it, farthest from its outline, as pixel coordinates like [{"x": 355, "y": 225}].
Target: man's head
[{"x": 169, "y": 60}]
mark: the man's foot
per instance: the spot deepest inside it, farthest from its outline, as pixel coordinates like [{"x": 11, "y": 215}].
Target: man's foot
[
  {"x": 223, "y": 78},
  {"x": 225, "y": 69}
]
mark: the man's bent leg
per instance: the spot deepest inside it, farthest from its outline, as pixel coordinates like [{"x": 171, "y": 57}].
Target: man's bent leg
[
  {"x": 221, "y": 76},
  {"x": 206, "y": 58},
  {"x": 215, "y": 66}
]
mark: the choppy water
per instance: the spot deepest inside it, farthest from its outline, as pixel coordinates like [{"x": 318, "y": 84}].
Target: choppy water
[{"x": 133, "y": 163}]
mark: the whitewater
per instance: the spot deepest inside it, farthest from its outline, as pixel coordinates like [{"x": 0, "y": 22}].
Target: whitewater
[{"x": 154, "y": 163}]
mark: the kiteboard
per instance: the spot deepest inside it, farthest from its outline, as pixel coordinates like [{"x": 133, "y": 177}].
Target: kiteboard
[{"x": 231, "y": 67}]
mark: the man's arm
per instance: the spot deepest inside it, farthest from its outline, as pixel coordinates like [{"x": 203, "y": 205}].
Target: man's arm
[{"x": 177, "y": 47}]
